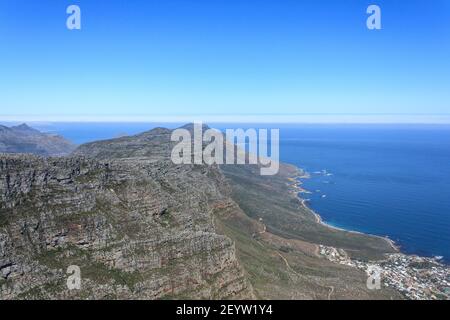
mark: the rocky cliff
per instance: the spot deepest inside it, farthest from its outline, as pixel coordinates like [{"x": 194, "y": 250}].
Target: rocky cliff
[
  {"x": 141, "y": 227},
  {"x": 137, "y": 228}
]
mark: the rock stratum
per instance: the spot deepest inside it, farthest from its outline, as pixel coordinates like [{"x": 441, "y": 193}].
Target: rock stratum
[{"x": 141, "y": 227}]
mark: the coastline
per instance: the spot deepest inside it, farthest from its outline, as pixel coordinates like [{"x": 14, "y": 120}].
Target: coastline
[
  {"x": 297, "y": 189},
  {"x": 415, "y": 277},
  {"x": 319, "y": 220}
]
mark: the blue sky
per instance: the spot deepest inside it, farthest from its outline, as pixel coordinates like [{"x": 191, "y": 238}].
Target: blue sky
[{"x": 223, "y": 57}]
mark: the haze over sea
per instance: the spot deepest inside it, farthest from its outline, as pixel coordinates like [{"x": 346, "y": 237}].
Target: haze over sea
[{"x": 388, "y": 180}]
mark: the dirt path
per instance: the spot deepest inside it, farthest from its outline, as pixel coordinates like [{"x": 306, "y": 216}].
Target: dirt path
[
  {"x": 288, "y": 265},
  {"x": 316, "y": 252}
]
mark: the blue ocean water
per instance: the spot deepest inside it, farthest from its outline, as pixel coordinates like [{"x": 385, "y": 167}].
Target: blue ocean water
[
  {"x": 380, "y": 179},
  {"x": 388, "y": 180}
]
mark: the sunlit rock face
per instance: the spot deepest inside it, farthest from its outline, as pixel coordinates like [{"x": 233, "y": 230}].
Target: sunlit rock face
[{"x": 138, "y": 226}]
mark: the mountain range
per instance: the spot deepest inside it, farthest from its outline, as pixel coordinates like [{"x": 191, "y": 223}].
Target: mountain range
[
  {"x": 24, "y": 139},
  {"x": 141, "y": 227}
]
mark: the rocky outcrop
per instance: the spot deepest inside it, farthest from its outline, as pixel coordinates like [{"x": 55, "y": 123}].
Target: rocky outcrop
[
  {"x": 140, "y": 227},
  {"x": 137, "y": 228}
]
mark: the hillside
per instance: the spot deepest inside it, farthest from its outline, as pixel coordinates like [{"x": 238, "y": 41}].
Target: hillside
[
  {"x": 141, "y": 227},
  {"x": 24, "y": 139}
]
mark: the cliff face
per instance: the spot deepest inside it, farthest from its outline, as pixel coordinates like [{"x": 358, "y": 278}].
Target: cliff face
[
  {"x": 137, "y": 228},
  {"x": 141, "y": 227}
]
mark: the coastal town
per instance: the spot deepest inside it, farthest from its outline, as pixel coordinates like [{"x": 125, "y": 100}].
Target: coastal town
[{"x": 417, "y": 278}]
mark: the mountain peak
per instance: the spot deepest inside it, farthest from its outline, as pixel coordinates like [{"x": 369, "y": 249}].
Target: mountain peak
[
  {"x": 24, "y": 139},
  {"x": 24, "y": 127},
  {"x": 190, "y": 126},
  {"x": 155, "y": 132}
]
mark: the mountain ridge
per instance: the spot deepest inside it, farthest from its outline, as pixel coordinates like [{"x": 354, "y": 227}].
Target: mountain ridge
[
  {"x": 141, "y": 227},
  {"x": 25, "y": 139}
]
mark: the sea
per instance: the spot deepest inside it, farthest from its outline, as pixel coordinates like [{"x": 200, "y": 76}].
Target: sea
[{"x": 388, "y": 180}]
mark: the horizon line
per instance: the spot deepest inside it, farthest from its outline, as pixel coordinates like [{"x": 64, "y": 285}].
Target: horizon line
[{"x": 238, "y": 118}]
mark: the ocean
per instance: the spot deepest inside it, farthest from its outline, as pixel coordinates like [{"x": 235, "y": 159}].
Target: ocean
[{"x": 388, "y": 180}]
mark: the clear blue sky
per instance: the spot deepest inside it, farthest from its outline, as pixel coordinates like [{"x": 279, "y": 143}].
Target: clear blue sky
[{"x": 168, "y": 57}]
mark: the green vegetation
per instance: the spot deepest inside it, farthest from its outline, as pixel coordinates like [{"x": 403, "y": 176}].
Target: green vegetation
[
  {"x": 90, "y": 269},
  {"x": 281, "y": 271},
  {"x": 44, "y": 291},
  {"x": 3, "y": 219},
  {"x": 63, "y": 257},
  {"x": 269, "y": 198},
  {"x": 102, "y": 274}
]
